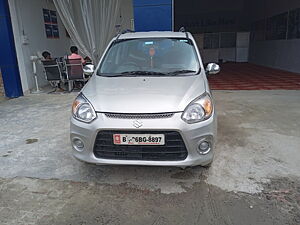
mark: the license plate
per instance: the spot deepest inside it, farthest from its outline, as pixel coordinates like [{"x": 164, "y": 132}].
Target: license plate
[{"x": 139, "y": 139}]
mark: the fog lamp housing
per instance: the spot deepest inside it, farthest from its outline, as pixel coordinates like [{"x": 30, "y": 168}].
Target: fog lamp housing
[
  {"x": 204, "y": 147},
  {"x": 78, "y": 144}
]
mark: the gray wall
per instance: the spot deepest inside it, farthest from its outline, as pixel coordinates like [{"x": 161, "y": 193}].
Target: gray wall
[
  {"x": 201, "y": 16},
  {"x": 280, "y": 54},
  {"x": 27, "y": 21}
]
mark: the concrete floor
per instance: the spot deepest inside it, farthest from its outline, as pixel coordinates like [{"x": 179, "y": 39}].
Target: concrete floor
[{"x": 255, "y": 178}]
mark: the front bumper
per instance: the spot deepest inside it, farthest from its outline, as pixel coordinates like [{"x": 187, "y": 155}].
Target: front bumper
[{"x": 191, "y": 134}]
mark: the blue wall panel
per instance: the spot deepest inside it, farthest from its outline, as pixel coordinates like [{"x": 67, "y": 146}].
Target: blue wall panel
[
  {"x": 8, "y": 58},
  {"x": 152, "y": 15},
  {"x": 151, "y": 2}
]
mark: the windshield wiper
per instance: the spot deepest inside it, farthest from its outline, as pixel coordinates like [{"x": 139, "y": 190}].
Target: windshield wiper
[
  {"x": 181, "y": 72},
  {"x": 140, "y": 72},
  {"x": 110, "y": 75},
  {"x": 149, "y": 73}
]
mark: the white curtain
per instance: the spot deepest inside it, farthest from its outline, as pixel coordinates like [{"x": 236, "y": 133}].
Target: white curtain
[{"x": 90, "y": 23}]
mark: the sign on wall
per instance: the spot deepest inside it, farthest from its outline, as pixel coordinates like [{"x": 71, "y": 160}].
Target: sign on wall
[{"x": 51, "y": 26}]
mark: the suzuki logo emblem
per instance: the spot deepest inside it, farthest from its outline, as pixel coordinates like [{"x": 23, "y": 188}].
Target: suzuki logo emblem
[{"x": 137, "y": 124}]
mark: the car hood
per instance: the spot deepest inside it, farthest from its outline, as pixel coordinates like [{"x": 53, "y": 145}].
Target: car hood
[{"x": 143, "y": 94}]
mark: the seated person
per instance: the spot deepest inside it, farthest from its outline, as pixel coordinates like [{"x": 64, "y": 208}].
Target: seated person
[
  {"x": 75, "y": 55},
  {"x": 47, "y": 56}
]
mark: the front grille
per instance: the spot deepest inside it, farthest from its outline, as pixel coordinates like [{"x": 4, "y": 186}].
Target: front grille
[
  {"x": 139, "y": 116},
  {"x": 173, "y": 150}
]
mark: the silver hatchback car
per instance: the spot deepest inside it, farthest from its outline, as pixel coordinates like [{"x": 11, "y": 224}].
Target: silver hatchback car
[{"x": 148, "y": 103}]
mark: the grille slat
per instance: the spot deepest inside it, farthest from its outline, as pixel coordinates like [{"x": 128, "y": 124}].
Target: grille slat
[
  {"x": 139, "y": 116},
  {"x": 127, "y": 152},
  {"x": 173, "y": 150},
  {"x": 109, "y": 145}
]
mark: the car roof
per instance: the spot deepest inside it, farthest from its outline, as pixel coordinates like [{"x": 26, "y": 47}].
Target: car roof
[{"x": 154, "y": 34}]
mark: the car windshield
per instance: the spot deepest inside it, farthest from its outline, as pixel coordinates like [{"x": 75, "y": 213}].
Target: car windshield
[{"x": 150, "y": 57}]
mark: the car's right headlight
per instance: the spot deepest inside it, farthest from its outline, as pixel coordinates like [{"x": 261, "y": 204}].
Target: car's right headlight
[
  {"x": 199, "y": 110},
  {"x": 83, "y": 110}
]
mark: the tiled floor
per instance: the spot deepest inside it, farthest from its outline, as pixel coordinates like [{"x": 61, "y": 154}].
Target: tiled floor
[{"x": 245, "y": 76}]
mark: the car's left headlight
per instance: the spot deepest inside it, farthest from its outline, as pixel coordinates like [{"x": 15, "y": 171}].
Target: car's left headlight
[
  {"x": 83, "y": 110},
  {"x": 199, "y": 110}
]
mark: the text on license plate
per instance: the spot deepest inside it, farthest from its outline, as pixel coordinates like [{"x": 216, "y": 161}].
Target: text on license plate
[{"x": 139, "y": 139}]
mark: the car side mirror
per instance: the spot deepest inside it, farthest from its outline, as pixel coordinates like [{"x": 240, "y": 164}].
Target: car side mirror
[
  {"x": 89, "y": 69},
  {"x": 212, "y": 68}
]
